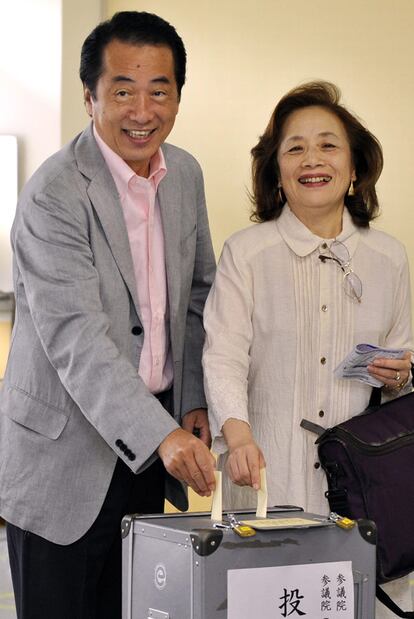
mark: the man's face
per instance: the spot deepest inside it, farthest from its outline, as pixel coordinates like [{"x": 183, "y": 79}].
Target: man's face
[{"x": 136, "y": 101}]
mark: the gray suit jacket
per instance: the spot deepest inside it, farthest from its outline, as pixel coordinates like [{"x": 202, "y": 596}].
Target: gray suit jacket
[{"x": 72, "y": 400}]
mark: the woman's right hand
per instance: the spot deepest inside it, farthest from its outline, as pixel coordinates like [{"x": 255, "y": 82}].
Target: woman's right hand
[{"x": 245, "y": 457}]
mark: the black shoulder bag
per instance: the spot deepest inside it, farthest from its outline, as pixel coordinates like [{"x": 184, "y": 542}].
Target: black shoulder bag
[{"x": 369, "y": 464}]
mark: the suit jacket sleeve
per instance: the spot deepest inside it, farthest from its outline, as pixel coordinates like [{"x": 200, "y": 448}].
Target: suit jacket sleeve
[{"x": 204, "y": 268}]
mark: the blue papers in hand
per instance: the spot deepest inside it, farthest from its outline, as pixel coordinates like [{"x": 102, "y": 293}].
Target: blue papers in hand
[{"x": 355, "y": 364}]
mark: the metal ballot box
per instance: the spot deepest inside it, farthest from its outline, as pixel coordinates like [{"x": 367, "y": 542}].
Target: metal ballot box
[{"x": 181, "y": 566}]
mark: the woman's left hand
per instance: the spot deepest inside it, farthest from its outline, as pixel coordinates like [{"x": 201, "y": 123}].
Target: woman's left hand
[{"x": 393, "y": 373}]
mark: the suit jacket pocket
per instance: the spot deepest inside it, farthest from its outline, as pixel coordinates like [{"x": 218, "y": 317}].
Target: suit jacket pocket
[{"x": 33, "y": 413}]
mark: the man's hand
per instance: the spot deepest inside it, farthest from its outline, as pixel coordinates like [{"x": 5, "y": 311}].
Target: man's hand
[
  {"x": 196, "y": 422},
  {"x": 188, "y": 459}
]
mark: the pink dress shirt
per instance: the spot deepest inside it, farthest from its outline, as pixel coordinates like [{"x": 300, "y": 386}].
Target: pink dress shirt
[{"x": 142, "y": 216}]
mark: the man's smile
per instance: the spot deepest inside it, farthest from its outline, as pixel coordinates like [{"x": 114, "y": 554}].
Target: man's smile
[{"x": 139, "y": 134}]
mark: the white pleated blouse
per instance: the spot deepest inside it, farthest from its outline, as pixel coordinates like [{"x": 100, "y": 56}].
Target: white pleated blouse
[{"x": 278, "y": 322}]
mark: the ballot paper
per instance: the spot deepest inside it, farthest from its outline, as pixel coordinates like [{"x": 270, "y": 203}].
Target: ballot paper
[
  {"x": 217, "y": 501},
  {"x": 355, "y": 364},
  {"x": 261, "y": 511}
]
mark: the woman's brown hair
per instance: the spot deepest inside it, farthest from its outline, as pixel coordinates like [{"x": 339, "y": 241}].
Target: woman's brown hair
[{"x": 365, "y": 149}]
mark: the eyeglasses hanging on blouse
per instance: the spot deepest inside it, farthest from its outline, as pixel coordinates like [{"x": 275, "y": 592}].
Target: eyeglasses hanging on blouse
[{"x": 338, "y": 252}]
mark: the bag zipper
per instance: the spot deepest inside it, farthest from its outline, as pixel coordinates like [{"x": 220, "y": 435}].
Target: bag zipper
[{"x": 345, "y": 435}]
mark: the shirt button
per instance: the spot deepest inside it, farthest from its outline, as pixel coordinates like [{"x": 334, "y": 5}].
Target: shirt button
[
  {"x": 324, "y": 246},
  {"x": 323, "y": 360},
  {"x": 317, "y": 465},
  {"x": 321, "y": 413},
  {"x": 136, "y": 330},
  {"x": 324, "y": 308}
]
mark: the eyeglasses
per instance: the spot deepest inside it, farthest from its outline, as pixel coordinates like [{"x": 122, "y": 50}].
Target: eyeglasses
[{"x": 352, "y": 284}]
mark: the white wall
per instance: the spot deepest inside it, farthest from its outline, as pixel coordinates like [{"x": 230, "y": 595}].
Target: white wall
[
  {"x": 245, "y": 54},
  {"x": 9, "y": 184},
  {"x": 79, "y": 17},
  {"x": 30, "y": 78},
  {"x": 41, "y": 95},
  {"x": 41, "y": 100}
]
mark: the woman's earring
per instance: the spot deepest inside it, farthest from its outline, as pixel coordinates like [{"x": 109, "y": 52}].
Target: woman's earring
[
  {"x": 280, "y": 195},
  {"x": 351, "y": 191}
]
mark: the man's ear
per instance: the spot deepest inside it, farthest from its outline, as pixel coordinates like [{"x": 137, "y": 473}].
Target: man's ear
[{"x": 88, "y": 99}]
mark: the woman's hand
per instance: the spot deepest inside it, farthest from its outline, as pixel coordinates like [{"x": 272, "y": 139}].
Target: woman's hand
[
  {"x": 394, "y": 373},
  {"x": 245, "y": 457}
]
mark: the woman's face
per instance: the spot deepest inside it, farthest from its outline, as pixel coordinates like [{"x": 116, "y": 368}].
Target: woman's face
[{"x": 314, "y": 160}]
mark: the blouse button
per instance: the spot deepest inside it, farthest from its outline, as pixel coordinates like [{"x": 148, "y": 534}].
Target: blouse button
[
  {"x": 317, "y": 465},
  {"x": 136, "y": 330},
  {"x": 324, "y": 246},
  {"x": 321, "y": 413},
  {"x": 324, "y": 308},
  {"x": 323, "y": 360}
]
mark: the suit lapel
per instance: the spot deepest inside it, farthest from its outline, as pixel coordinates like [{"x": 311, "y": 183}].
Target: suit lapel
[
  {"x": 105, "y": 200},
  {"x": 169, "y": 196}
]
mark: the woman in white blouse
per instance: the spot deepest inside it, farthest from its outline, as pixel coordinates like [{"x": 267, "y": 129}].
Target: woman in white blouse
[{"x": 294, "y": 293}]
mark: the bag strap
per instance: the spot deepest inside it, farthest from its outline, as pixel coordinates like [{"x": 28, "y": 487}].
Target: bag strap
[
  {"x": 375, "y": 399},
  {"x": 337, "y": 497},
  {"x": 385, "y": 599},
  {"x": 312, "y": 427}
]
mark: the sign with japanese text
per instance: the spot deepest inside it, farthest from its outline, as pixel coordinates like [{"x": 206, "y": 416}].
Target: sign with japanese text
[{"x": 312, "y": 591}]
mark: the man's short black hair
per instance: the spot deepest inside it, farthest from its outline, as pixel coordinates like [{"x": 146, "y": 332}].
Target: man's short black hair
[{"x": 138, "y": 28}]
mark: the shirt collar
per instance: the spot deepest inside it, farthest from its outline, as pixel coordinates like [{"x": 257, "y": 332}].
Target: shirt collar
[
  {"x": 303, "y": 242},
  {"x": 123, "y": 174}
]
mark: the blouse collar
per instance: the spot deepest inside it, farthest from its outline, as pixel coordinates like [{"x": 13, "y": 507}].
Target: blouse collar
[{"x": 303, "y": 242}]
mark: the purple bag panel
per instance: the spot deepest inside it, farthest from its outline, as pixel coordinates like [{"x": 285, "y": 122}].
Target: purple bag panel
[{"x": 369, "y": 462}]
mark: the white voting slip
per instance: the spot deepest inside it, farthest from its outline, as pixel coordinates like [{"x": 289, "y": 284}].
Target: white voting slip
[{"x": 355, "y": 364}]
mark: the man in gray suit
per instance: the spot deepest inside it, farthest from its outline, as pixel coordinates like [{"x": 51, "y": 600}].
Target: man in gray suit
[{"x": 103, "y": 399}]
